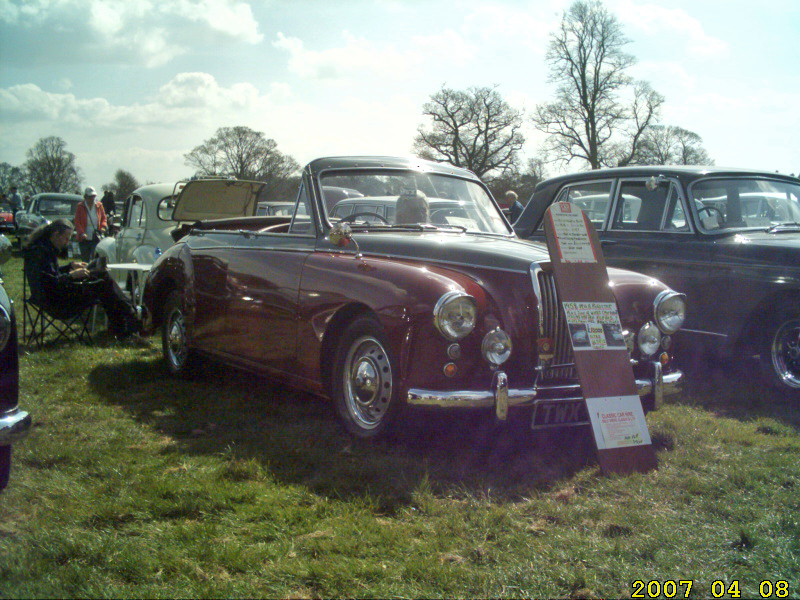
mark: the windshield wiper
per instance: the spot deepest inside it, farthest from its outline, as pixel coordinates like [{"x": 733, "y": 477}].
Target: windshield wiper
[{"x": 786, "y": 226}]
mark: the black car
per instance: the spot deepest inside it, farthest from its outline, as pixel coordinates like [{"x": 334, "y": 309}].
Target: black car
[
  {"x": 727, "y": 238},
  {"x": 14, "y": 423}
]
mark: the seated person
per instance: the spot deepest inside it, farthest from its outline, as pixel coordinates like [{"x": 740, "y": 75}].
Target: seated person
[
  {"x": 412, "y": 207},
  {"x": 66, "y": 291}
]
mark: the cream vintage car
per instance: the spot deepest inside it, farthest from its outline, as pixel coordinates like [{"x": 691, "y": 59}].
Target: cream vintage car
[{"x": 147, "y": 220}]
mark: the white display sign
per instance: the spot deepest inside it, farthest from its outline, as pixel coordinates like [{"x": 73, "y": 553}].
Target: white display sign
[
  {"x": 572, "y": 236},
  {"x": 594, "y": 325},
  {"x": 618, "y": 422}
]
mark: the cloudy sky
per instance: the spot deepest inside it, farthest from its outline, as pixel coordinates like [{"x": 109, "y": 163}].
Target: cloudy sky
[{"x": 137, "y": 84}]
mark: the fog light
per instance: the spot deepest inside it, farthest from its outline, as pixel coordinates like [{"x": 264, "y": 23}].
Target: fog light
[
  {"x": 666, "y": 342},
  {"x": 496, "y": 346},
  {"x": 450, "y": 369},
  {"x": 454, "y": 351},
  {"x": 649, "y": 339},
  {"x": 664, "y": 359}
]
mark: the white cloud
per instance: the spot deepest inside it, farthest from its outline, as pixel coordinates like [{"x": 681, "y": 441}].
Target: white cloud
[
  {"x": 357, "y": 57},
  {"x": 151, "y": 32},
  {"x": 653, "y": 19}
]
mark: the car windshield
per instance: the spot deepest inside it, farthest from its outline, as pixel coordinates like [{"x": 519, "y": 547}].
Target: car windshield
[
  {"x": 746, "y": 202},
  {"x": 57, "y": 206},
  {"x": 166, "y": 207},
  {"x": 409, "y": 200}
]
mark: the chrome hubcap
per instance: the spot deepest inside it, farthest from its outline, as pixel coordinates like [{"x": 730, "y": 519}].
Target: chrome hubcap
[
  {"x": 367, "y": 382},
  {"x": 176, "y": 340},
  {"x": 786, "y": 353}
]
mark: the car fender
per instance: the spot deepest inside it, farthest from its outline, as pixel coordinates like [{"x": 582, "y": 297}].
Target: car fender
[{"x": 400, "y": 295}]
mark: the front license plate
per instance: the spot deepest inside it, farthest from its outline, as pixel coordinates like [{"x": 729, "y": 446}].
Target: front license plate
[{"x": 558, "y": 413}]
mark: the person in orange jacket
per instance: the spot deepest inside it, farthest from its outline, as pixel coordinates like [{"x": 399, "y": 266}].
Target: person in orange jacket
[{"x": 90, "y": 223}]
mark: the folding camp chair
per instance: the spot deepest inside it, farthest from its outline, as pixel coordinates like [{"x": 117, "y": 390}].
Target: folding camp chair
[{"x": 38, "y": 321}]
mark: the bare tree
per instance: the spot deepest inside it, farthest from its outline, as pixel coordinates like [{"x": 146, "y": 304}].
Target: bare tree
[
  {"x": 123, "y": 185},
  {"x": 670, "y": 145},
  {"x": 474, "y": 129},
  {"x": 51, "y": 168},
  {"x": 245, "y": 154},
  {"x": 10, "y": 175},
  {"x": 522, "y": 182},
  {"x": 589, "y": 65}
]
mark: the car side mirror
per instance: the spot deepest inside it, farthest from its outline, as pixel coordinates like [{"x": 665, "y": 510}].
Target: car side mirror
[{"x": 340, "y": 235}]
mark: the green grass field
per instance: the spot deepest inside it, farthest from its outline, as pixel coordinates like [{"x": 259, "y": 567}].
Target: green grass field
[{"x": 134, "y": 484}]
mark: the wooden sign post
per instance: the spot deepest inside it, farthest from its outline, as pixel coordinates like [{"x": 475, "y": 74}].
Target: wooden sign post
[{"x": 601, "y": 358}]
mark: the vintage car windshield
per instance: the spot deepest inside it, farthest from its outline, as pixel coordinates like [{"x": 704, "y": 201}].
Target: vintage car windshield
[
  {"x": 57, "y": 206},
  {"x": 746, "y": 202},
  {"x": 409, "y": 199}
]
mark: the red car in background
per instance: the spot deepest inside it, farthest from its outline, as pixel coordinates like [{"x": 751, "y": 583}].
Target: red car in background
[{"x": 6, "y": 219}]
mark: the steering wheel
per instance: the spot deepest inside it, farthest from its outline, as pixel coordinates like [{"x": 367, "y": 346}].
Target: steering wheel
[
  {"x": 710, "y": 209},
  {"x": 365, "y": 213}
]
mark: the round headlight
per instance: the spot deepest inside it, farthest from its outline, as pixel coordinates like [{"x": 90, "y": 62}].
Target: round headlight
[
  {"x": 669, "y": 310},
  {"x": 455, "y": 315},
  {"x": 496, "y": 346},
  {"x": 649, "y": 339}
]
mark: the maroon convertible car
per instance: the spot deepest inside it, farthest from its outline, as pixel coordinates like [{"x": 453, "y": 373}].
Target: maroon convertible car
[{"x": 433, "y": 303}]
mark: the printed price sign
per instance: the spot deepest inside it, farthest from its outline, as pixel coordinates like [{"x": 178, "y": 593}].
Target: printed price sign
[
  {"x": 603, "y": 365},
  {"x": 572, "y": 235},
  {"x": 618, "y": 422}
]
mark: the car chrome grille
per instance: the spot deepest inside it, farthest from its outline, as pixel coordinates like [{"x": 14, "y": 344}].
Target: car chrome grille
[{"x": 553, "y": 325}]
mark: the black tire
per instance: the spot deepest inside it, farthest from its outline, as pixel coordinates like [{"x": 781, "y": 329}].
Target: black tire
[
  {"x": 780, "y": 349},
  {"x": 179, "y": 358},
  {"x": 363, "y": 385}
]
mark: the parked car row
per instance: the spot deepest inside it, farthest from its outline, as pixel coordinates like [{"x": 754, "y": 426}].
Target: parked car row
[
  {"x": 346, "y": 294},
  {"x": 347, "y": 299}
]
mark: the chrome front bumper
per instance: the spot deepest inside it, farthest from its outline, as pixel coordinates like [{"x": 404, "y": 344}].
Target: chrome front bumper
[
  {"x": 501, "y": 397},
  {"x": 14, "y": 426}
]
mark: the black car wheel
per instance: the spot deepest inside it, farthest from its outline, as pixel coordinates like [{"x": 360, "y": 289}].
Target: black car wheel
[
  {"x": 178, "y": 357},
  {"x": 363, "y": 380},
  {"x": 780, "y": 351}
]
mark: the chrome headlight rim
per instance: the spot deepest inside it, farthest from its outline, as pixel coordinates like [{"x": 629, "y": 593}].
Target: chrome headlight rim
[
  {"x": 439, "y": 315},
  {"x": 658, "y": 306},
  {"x": 496, "y": 346},
  {"x": 649, "y": 339}
]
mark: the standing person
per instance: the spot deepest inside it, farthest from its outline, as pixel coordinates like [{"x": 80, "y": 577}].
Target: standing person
[
  {"x": 511, "y": 205},
  {"x": 16, "y": 202},
  {"x": 109, "y": 205},
  {"x": 90, "y": 223}
]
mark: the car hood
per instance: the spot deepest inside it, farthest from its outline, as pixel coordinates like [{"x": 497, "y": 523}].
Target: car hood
[
  {"x": 483, "y": 251},
  {"x": 205, "y": 199}
]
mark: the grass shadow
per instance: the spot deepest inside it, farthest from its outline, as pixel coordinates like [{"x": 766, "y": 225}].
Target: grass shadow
[
  {"x": 733, "y": 389},
  {"x": 297, "y": 438}
]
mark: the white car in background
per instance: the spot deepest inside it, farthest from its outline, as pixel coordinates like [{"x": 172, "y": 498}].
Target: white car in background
[{"x": 148, "y": 221}]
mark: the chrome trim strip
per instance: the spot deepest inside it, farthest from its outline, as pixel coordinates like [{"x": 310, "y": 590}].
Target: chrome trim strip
[
  {"x": 671, "y": 383},
  {"x": 14, "y": 426}
]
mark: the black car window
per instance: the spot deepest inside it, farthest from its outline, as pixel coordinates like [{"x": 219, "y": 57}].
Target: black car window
[
  {"x": 593, "y": 197},
  {"x": 641, "y": 207}
]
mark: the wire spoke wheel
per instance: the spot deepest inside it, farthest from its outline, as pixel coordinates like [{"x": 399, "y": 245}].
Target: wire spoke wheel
[{"x": 785, "y": 353}]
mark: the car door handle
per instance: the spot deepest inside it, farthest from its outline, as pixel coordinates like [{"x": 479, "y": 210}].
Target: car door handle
[{"x": 608, "y": 242}]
